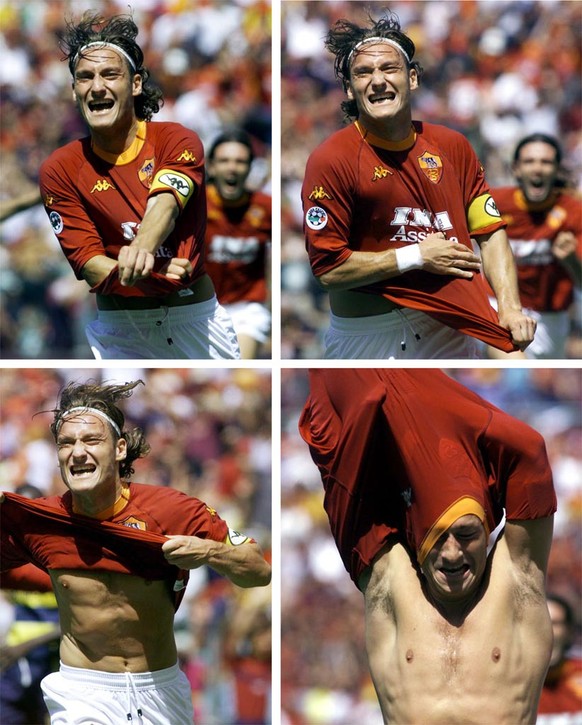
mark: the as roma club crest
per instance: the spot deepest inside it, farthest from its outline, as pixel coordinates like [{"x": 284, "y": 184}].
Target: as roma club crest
[{"x": 432, "y": 166}]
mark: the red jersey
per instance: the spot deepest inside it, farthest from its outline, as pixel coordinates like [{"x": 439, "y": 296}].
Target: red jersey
[
  {"x": 408, "y": 452},
  {"x": 361, "y": 193},
  {"x": 129, "y": 540},
  {"x": 544, "y": 283},
  {"x": 562, "y": 691},
  {"x": 237, "y": 239},
  {"x": 96, "y": 201}
]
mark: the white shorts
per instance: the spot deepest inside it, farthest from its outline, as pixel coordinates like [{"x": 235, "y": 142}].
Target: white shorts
[
  {"x": 201, "y": 331},
  {"x": 398, "y": 335},
  {"x": 251, "y": 319},
  {"x": 75, "y": 696}
]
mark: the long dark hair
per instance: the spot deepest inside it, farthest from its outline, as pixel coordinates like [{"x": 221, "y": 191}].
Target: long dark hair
[
  {"x": 119, "y": 30},
  {"x": 343, "y": 37},
  {"x": 103, "y": 397}
]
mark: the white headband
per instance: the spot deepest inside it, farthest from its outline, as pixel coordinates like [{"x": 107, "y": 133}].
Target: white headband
[
  {"x": 377, "y": 39},
  {"x": 104, "y": 44},
  {"x": 93, "y": 411}
]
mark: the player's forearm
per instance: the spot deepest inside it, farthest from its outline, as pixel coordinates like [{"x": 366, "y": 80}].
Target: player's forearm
[
  {"x": 244, "y": 565},
  {"x": 500, "y": 270},
  {"x": 359, "y": 269},
  {"x": 158, "y": 222},
  {"x": 97, "y": 269}
]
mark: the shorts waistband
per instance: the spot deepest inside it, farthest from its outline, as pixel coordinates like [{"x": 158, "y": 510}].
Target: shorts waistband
[
  {"x": 189, "y": 312},
  {"x": 375, "y": 323},
  {"x": 118, "y": 680}
]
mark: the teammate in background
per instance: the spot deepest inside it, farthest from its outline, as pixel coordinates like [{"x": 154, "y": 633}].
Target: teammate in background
[
  {"x": 390, "y": 207},
  {"x": 128, "y": 205},
  {"x": 562, "y": 691},
  {"x": 238, "y": 238},
  {"x": 544, "y": 226},
  {"x": 417, "y": 473},
  {"x": 118, "y": 554}
]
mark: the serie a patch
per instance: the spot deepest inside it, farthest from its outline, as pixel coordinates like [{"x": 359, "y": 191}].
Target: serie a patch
[{"x": 316, "y": 218}]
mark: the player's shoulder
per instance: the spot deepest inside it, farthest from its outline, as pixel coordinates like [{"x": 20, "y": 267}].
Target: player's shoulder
[
  {"x": 170, "y": 130},
  {"x": 440, "y": 135},
  {"x": 504, "y": 194},
  {"x": 70, "y": 156},
  {"x": 339, "y": 143}
]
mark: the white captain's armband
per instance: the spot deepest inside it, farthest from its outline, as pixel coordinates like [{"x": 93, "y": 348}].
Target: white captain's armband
[
  {"x": 482, "y": 213},
  {"x": 180, "y": 184},
  {"x": 235, "y": 539}
]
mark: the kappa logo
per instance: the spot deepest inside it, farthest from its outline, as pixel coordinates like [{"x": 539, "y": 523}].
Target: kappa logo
[
  {"x": 49, "y": 200},
  {"x": 381, "y": 173},
  {"x": 318, "y": 194},
  {"x": 432, "y": 166},
  {"x": 178, "y": 182},
  {"x": 187, "y": 156},
  {"x": 102, "y": 185},
  {"x": 316, "y": 218}
]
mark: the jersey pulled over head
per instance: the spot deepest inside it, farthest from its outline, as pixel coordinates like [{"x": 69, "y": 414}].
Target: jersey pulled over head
[
  {"x": 100, "y": 400},
  {"x": 117, "y": 33},
  {"x": 345, "y": 39}
]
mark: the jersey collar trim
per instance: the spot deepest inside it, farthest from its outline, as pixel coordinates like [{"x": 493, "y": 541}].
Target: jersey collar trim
[
  {"x": 116, "y": 508},
  {"x": 130, "y": 154},
  {"x": 373, "y": 140}
]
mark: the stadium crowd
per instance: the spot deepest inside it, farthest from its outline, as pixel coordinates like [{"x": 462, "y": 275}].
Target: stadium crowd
[
  {"x": 210, "y": 437},
  {"x": 325, "y": 678},
  {"x": 212, "y": 60},
  {"x": 495, "y": 71}
]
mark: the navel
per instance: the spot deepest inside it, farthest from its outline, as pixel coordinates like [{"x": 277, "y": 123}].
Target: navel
[
  {"x": 495, "y": 654},
  {"x": 409, "y": 655}
]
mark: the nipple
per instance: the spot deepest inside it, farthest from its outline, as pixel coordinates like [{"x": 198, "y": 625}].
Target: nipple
[
  {"x": 496, "y": 654},
  {"x": 409, "y": 655}
]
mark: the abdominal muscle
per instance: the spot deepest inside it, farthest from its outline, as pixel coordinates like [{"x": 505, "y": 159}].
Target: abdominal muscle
[
  {"x": 114, "y": 622},
  {"x": 485, "y": 668}
]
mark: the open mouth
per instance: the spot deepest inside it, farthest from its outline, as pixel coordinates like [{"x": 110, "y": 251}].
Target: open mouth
[
  {"x": 382, "y": 98},
  {"x": 80, "y": 471},
  {"x": 455, "y": 571},
  {"x": 100, "y": 106}
]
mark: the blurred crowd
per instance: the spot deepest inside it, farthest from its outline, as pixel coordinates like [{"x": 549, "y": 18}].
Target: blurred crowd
[
  {"x": 210, "y": 436},
  {"x": 495, "y": 71},
  {"x": 212, "y": 59},
  {"x": 325, "y": 678}
]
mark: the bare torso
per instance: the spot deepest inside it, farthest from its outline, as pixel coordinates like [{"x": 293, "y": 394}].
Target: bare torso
[
  {"x": 114, "y": 622},
  {"x": 481, "y": 668},
  {"x": 347, "y": 303}
]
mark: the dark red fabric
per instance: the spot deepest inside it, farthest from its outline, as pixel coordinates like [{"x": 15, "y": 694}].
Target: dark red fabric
[{"x": 395, "y": 448}]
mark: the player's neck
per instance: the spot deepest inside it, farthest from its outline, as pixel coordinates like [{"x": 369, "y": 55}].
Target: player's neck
[
  {"x": 116, "y": 140},
  {"x": 99, "y": 505}
]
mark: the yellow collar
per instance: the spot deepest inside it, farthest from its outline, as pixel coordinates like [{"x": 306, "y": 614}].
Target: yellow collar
[{"x": 129, "y": 154}]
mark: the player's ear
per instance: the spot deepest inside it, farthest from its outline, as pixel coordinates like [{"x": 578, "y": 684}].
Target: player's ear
[
  {"x": 136, "y": 84},
  {"x": 413, "y": 79},
  {"x": 349, "y": 92},
  {"x": 121, "y": 449}
]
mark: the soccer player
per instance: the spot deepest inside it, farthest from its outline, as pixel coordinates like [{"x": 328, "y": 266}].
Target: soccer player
[
  {"x": 544, "y": 226},
  {"x": 118, "y": 554},
  {"x": 238, "y": 239},
  {"x": 561, "y": 700},
  {"x": 128, "y": 205},
  {"x": 390, "y": 208},
  {"x": 417, "y": 473}
]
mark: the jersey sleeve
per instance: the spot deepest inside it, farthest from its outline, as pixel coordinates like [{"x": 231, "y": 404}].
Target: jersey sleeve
[
  {"x": 69, "y": 219},
  {"x": 327, "y": 198},
  {"x": 483, "y": 216},
  {"x": 180, "y": 164}
]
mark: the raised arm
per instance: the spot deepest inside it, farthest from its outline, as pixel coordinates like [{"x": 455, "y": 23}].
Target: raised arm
[{"x": 243, "y": 564}]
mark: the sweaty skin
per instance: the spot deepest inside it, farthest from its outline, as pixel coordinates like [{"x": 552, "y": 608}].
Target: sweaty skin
[{"x": 468, "y": 663}]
